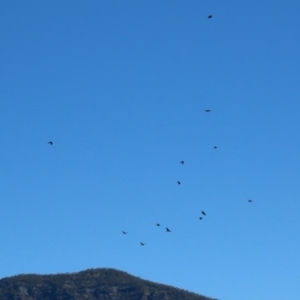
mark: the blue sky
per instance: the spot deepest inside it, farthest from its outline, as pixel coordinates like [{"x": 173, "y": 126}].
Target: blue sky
[{"x": 120, "y": 87}]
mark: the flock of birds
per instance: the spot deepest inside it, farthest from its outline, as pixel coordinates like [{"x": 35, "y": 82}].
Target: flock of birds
[{"x": 203, "y": 213}]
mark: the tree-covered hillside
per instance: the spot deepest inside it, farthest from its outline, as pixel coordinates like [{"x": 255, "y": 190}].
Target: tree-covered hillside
[{"x": 93, "y": 284}]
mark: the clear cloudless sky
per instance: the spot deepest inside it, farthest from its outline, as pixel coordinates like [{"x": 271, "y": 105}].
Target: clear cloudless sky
[{"x": 120, "y": 87}]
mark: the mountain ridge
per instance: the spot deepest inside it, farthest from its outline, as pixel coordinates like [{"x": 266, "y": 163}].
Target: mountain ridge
[{"x": 90, "y": 284}]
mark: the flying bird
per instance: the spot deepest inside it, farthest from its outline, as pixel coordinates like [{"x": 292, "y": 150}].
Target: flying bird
[
  {"x": 50, "y": 143},
  {"x": 215, "y": 147},
  {"x": 157, "y": 224},
  {"x": 250, "y": 200},
  {"x": 207, "y": 110},
  {"x": 182, "y": 162},
  {"x": 178, "y": 182},
  {"x": 142, "y": 244},
  {"x": 209, "y": 17},
  {"x": 203, "y": 213},
  {"x": 168, "y": 230},
  {"x": 200, "y": 218},
  {"x": 125, "y": 232}
]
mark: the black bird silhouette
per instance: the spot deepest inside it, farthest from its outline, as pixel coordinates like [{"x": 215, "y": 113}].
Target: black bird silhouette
[
  {"x": 178, "y": 182},
  {"x": 207, "y": 110},
  {"x": 249, "y": 200},
  {"x": 203, "y": 213},
  {"x": 209, "y": 17},
  {"x": 51, "y": 143},
  {"x": 142, "y": 244},
  {"x": 182, "y": 162},
  {"x": 215, "y": 147},
  {"x": 168, "y": 230},
  {"x": 201, "y": 218},
  {"x": 125, "y": 232},
  {"x": 157, "y": 224}
]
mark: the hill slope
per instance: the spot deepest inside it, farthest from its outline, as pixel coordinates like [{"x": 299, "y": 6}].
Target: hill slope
[{"x": 93, "y": 284}]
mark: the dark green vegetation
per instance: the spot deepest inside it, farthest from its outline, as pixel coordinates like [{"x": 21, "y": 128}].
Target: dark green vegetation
[{"x": 93, "y": 284}]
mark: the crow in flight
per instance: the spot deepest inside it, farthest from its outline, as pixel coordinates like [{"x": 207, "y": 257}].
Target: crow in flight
[
  {"x": 157, "y": 224},
  {"x": 168, "y": 230},
  {"x": 215, "y": 147},
  {"x": 178, "y": 182},
  {"x": 203, "y": 213},
  {"x": 209, "y": 17},
  {"x": 50, "y": 143},
  {"x": 142, "y": 244},
  {"x": 207, "y": 110},
  {"x": 125, "y": 232},
  {"x": 200, "y": 218},
  {"x": 182, "y": 162},
  {"x": 249, "y": 200}
]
